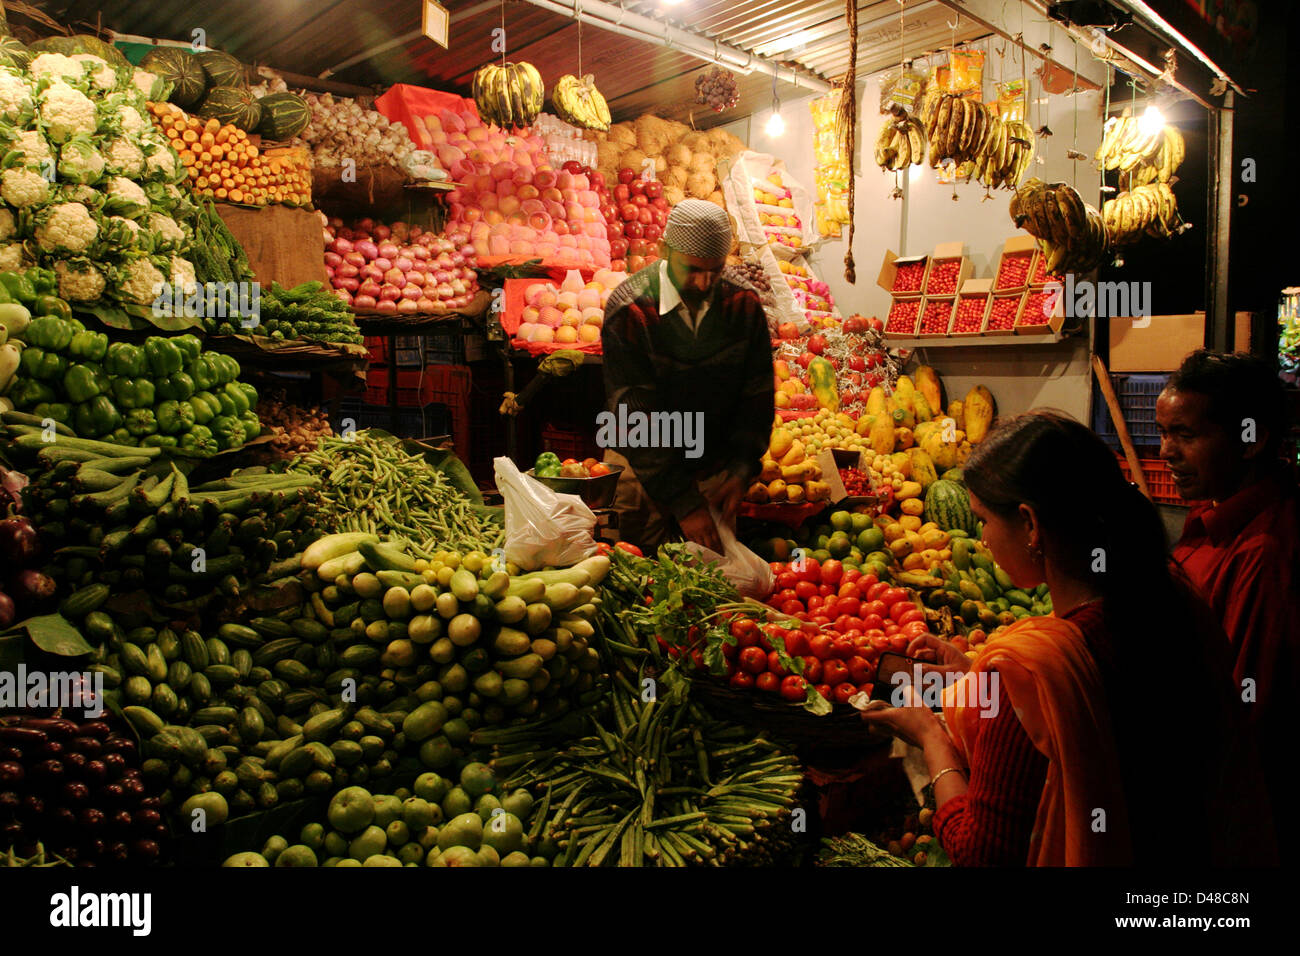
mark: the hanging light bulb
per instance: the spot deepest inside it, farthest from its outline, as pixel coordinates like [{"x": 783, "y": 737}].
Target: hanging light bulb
[
  {"x": 1152, "y": 120},
  {"x": 775, "y": 124}
]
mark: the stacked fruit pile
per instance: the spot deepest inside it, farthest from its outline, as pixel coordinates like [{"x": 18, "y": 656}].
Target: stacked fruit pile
[
  {"x": 1013, "y": 271},
  {"x": 970, "y": 313},
  {"x": 902, "y": 316},
  {"x": 936, "y": 316},
  {"x": 1002, "y": 314},
  {"x": 572, "y": 312},
  {"x": 399, "y": 269},
  {"x": 635, "y": 215},
  {"x": 775, "y": 204},
  {"x": 942, "y": 277},
  {"x": 788, "y": 473},
  {"x": 908, "y": 278}
]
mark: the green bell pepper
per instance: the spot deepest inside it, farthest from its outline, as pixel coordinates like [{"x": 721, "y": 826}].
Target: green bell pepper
[
  {"x": 205, "y": 372},
  {"x": 190, "y": 347},
  {"x": 123, "y": 436},
  {"x": 61, "y": 412},
  {"x": 206, "y": 407},
  {"x": 141, "y": 422},
  {"x": 53, "y": 305},
  {"x": 228, "y": 431},
  {"x": 252, "y": 425},
  {"x": 41, "y": 364},
  {"x": 547, "y": 465},
  {"x": 250, "y": 393},
  {"x": 89, "y": 346},
  {"x": 133, "y": 392},
  {"x": 163, "y": 356},
  {"x": 125, "y": 359},
  {"x": 227, "y": 368},
  {"x": 200, "y": 439},
  {"x": 97, "y": 417},
  {"x": 18, "y": 286},
  {"x": 43, "y": 281},
  {"x": 158, "y": 441},
  {"x": 49, "y": 332},
  {"x": 26, "y": 392},
  {"x": 174, "y": 417},
  {"x": 238, "y": 398},
  {"x": 177, "y": 385},
  {"x": 80, "y": 384}
]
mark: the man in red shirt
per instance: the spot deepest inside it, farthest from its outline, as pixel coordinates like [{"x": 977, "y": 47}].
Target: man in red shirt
[{"x": 1222, "y": 421}]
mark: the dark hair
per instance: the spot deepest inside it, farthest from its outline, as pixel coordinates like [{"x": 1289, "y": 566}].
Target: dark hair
[{"x": 1237, "y": 386}]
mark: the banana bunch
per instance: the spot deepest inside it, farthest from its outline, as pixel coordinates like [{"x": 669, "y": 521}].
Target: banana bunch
[
  {"x": 510, "y": 96},
  {"x": 578, "y": 102},
  {"x": 1125, "y": 145},
  {"x": 1148, "y": 210},
  {"x": 1071, "y": 233},
  {"x": 901, "y": 143},
  {"x": 957, "y": 127},
  {"x": 1006, "y": 154},
  {"x": 1162, "y": 166}
]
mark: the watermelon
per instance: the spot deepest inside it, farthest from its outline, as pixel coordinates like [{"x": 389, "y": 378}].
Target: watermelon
[
  {"x": 81, "y": 43},
  {"x": 948, "y": 505},
  {"x": 13, "y": 50},
  {"x": 179, "y": 68},
  {"x": 222, "y": 69},
  {"x": 228, "y": 105},
  {"x": 284, "y": 115}
]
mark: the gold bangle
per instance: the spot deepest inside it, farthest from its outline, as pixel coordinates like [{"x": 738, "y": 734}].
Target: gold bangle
[{"x": 935, "y": 778}]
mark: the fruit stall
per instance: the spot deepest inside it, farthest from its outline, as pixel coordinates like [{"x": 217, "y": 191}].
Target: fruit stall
[{"x": 279, "y": 316}]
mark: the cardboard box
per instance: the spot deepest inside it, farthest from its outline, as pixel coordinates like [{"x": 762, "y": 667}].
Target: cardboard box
[
  {"x": 980, "y": 289},
  {"x": 1017, "y": 246},
  {"x": 944, "y": 253},
  {"x": 1005, "y": 327},
  {"x": 1159, "y": 343},
  {"x": 889, "y": 272},
  {"x": 831, "y": 474},
  {"x": 1043, "y": 311},
  {"x": 909, "y": 308},
  {"x": 945, "y": 305}
]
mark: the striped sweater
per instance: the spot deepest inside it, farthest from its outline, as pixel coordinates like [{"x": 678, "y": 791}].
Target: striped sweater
[{"x": 720, "y": 377}]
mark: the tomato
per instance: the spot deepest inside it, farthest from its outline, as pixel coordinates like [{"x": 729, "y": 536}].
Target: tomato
[
  {"x": 911, "y": 614},
  {"x": 891, "y": 628},
  {"x": 860, "y": 669},
  {"x": 914, "y": 629},
  {"x": 898, "y": 643},
  {"x": 815, "y": 605},
  {"x": 824, "y": 690},
  {"x": 835, "y": 671},
  {"x": 796, "y": 643},
  {"x": 830, "y": 607},
  {"x": 843, "y": 691},
  {"x": 812, "y": 669},
  {"x": 844, "y": 622},
  {"x": 775, "y": 666},
  {"x": 697, "y": 658},
  {"x": 848, "y": 590},
  {"x": 730, "y": 651},
  {"x": 849, "y": 604},
  {"x": 867, "y": 688},
  {"x": 742, "y": 680},
  {"x": 820, "y": 620},
  {"x": 793, "y": 607},
  {"x": 763, "y": 642},
  {"x": 893, "y": 595},
  {"x": 794, "y": 688},
  {"x": 741, "y": 626},
  {"x": 879, "y": 641},
  {"x": 843, "y": 648},
  {"x": 877, "y": 589},
  {"x": 753, "y": 660},
  {"x": 811, "y": 571},
  {"x": 780, "y": 597},
  {"x": 598, "y": 470},
  {"x": 825, "y": 590},
  {"x": 822, "y": 646},
  {"x": 805, "y": 590},
  {"x": 867, "y": 581},
  {"x": 899, "y": 609},
  {"x": 786, "y": 579},
  {"x": 851, "y": 576},
  {"x": 872, "y": 622},
  {"x": 627, "y": 546},
  {"x": 862, "y": 644},
  {"x": 767, "y": 681},
  {"x": 832, "y": 571}
]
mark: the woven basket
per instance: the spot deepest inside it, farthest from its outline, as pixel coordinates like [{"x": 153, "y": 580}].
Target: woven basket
[{"x": 842, "y": 728}]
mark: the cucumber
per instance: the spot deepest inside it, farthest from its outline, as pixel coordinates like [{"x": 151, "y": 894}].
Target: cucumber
[
  {"x": 252, "y": 725},
  {"x": 239, "y": 635},
  {"x": 242, "y": 661},
  {"x": 562, "y": 596},
  {"x": 334, "y": 546},
  {"x": 218, "y": 714},
  {"x": 529, "y": 589},
  {"x": 218, "y": 652},
  {"x": 311, "y": 631},
  {"x": 221, "y": 675},
  {"x": 511, "y": 609},
  {"x": 81, "y": 602},
  {"x": 164, "y": 700},
  {"x": 274, "y": 650},
  {"x": 270, "y": 627},
  {"x": 1018, "y": 597},
  {"x": 324, "y": 725},
  {"x": 169, "y": 644},
  {"x": 97, "y": 627},
  {"x": 194, "y": 650},
  {"x": 138, "y": 690},
  {"x": 295, "y": 672},
  {"x": 134, "y": 660},
  {"x": 200, "y": 689},
  {"x": 464, "y": 585},
  {"x": 144, "y": 720},
  {"x": 382, "y": 556}
]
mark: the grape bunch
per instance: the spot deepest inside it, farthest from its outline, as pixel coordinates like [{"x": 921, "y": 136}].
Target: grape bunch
[
  {"x": 717, "y": 89},
  {"x": 753, "y": 273}
]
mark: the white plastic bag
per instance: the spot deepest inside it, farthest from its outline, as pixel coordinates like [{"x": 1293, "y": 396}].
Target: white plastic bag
[
  {"x": 543, "y": 527},
  {"x": 748, "y": 573}
]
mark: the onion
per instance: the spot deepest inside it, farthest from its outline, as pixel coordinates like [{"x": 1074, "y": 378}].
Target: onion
[
  {"x": 412, "y": 292},
  {"x": 341, "y": 246},
  {"x": 368, "y": 249},
  {"x": 372, "y": 271},
  {"x": 347, "y": 271},
  {"x": 364, "y": 301},
  {"x": 332, "y": 258},
  {"x": 396, "y": 277},
  {"x": 386, "y": 306},
  {"x": 367, "y": 224},
  {"x": 387, "y": 250},
  {"x": 457, "y": 259},
  {"x": 389, "y": 293},
  {"x": 354, "y": 258},
  {"x": 369, "y": 287},
  {"x": 329, "y": 272},
  {"x": 407, "y": 307},
  {"x": 335, "y": 222},
  {"x": 419, "y": 252},
  {"x": 445, "y": 291},
  {"x": 469, "y": 252},
  {"x": 458, "y": 286},
  {"x": 442, "y": 275},
  {"x": 425, "y": 304},
  {"x": 383, "y": 264},
  {"x": 351, "y": 284},
  {"x": 343, "y": 295},
  {"x": 382, "y": 232},
  {"x": 402, "y": 264}
]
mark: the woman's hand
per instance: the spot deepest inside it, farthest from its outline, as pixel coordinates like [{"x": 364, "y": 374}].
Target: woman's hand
[
  {"x": 947, "y": 659},
  {"x": 913, "y": 722}
]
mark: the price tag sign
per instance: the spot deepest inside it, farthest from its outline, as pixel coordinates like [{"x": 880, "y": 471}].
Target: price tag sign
[{"x": 437, "y": 22}]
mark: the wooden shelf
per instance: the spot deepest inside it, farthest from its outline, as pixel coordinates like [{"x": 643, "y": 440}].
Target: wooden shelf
[{"x": 972, "y": 341}]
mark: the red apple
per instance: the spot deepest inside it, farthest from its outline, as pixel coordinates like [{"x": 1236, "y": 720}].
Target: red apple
[
  {"x": 661, "y": 203},
  {"x": 640, "y": 200},
  {"x": 654, "y": 189},
  {"x": 597, "y": 180},
  {"x": 617, "y": 247},
  {"x": 653, "y": 232},
  {"x": 817, "y": 344},
  {"x": 618, "y": 265},
  {"x": 646, "y": 216},
  {"x": 634, "y": 230},
  {"x": 805, "y": 359},
  {"x": 857, "y": 364},
  {"x": 628, "y": 212},
  {"x": 572, "y": 166},
  {"x": 621, "y": 193},
  {"x": 626, "y": 174},
  {"x": 635, "y": 264},
  {"x": 787, "y": 330},
  {"x": 660, "y": 217},
  {"x": 614, "y": 230}
]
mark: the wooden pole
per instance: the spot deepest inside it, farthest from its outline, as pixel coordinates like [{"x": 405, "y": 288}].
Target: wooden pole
[{"x": 1121, "y": 426}]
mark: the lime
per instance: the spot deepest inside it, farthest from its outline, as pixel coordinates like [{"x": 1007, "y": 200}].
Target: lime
[
  {"x": 871, "y": 539},
  {"x": 861, "y": 522},
  {"x": 823, "y": 542},
  {"x": 839, "y": 545},
  {"x": 841, "y": 521}
]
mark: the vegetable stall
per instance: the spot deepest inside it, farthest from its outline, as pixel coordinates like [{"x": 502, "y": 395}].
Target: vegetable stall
[{"x": 272, "y": 315}]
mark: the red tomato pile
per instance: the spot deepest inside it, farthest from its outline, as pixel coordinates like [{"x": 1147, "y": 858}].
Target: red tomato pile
[
  {"x": 970, "y": 313},
  {"x": 1003, "y": 314},
  {"x": 942, "y": 279},
  {"x": 902, "y": 316},
  {"x": 908, "y": 278},
  {"x": 1014, "y": 271},
  {"x": 856, "y": 482},
  {"x": 849, "y": 618},
  {"x": 937, "y": 315},
  {"x": 635, "y": 218}
]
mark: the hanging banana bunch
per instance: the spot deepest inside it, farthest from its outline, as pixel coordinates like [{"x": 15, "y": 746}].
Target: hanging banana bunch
[
  {"x": 510, "y": 96},
  {"x": 901, "y": 143},
  {"x": 1125, "y": 146},
  {"x": 1006, "y": 154},
  {"x": 578, "y": 102},
  {"x": 1072, "y": 234},
  {"x": 957, "y": 127},
  {"x": 1161, "y": 167},
  {"x": 1150, "y": 210}
]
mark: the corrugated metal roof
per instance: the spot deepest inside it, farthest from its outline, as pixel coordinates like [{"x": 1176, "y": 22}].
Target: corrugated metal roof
[{"x": 635, "y": 76}]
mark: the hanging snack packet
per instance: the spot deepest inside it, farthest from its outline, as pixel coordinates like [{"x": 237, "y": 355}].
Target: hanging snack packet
[
  {"x": 967, "y": 72},
  {"x": 1011, "y": 99},
  {"x": 901, "y": 89}
]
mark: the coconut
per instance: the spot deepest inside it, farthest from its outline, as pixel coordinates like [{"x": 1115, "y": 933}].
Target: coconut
[
  {"x": 677, "y": 155},
  {"x": 622, "y": 133},
  {"x": 652, "y": 134},
  {"x": 633, "y": 159},
  {"x": 717, "y": 198},
  {"x": 701, "y": 185},
  {"x": 608, "y": 154},
  {"x": 676, "y": 177},
  {"x": 674, "y": 194},
  {"x": 703, "y": 163}
]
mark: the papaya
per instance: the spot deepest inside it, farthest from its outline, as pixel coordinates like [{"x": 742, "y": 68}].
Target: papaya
[
  {"x": 923, "y": 469},
  {"x": 922, "y": 429},
  {"x": 903, "y": 463},
  {"x": 942, "y": 453},
  {"x": 921, "y": 408},
  {"x": 821, "y": 375},
  {"x": 876, "y": 401},
  {"x": 780, "y": 443},
  {"x": 978, "y": 412},
  {"x": 904, "y": 438},
  {"x": 863, "y": 427},
  {"x": 903, "y": 392},
  {"x": 928, "y": 384},
  {"x": 956, "y": 411},
  {"x": 881, "y": 436},
  {"x": 794, "y": 455}
]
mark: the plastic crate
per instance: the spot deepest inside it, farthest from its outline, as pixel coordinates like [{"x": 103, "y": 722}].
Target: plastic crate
[
  {"x": 409, "y": 393},
  {"x": 407, "y": 358},
  {"x": 429, "y": 421},
  {"x": 1137, "y": 396},
  {"x": 377, "y": 348},
  {"x": 1159, "y": 479},
  {"x": 444, "y": 346},
  {"x": 448, "y": 386},
  {"x": 569, "y": 443}
]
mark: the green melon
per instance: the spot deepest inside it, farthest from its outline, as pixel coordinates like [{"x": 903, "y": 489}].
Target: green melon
[
  {"x": 222, "y": 69},
  {"x": 284, "y": 115},
  {"x": 81, "y": 43},
  {"x": 948, "y": 505},
  {"x": 228, "y": 105},
  {"x": 179, "y": 68},
  {"x": 14, "y": 51},
  {"x": 954, "y": 474}
]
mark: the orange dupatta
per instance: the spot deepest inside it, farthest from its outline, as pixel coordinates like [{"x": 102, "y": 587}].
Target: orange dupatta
[{"x": 1053, "y": 683}]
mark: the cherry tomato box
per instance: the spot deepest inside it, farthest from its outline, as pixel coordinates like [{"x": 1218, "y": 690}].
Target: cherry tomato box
[
  {"x": 903, "y": 276},
  {"x": 1016, "y": 264},
  {"x": 972, "y": 307},
  {"x": 936, "y": 315},
  {"x": 904, "y": 315},
  {"x": 1004, "y": 312},
  {"x": 949, "y": 268},
  {"x": 1044, "y": 311}
]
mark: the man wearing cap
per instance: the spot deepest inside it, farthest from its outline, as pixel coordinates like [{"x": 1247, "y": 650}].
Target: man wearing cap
[{"x": 685, "y": 340}]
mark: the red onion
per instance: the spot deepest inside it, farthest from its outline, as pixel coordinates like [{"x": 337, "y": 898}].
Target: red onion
[
  {"x": 390, "y": 293},
  {"x": 419, "y": 252},
  {"x": 349, "y": 283},
  {"x": 346, "y": 234},
  {"x": 332, "y": 258},
  {"x": 370, "y": 287},
  {"x": 418, "y": 268},
  {"x": 387, "y": 250},
  {"x": 367, "y": 224},
  {"x": 457, "y": 259},
  {"x": 442, "y": 275},
  {"x": 458, "y": 286},
  {"x": 364, "y": 301},
  {"x": 414, "y": 231},
  {"x": 425, "y": 304},
  {"x": 445, "y": 291},
  {"x": 469, "y": 252},
  {"x": 355, "y": 258},
  {"x": 336, "y": 222},
  {"x": 383, "y": 264},
  {"x": 395, "y": 276},
  {"x": 341, "y": 245},
  {"x": 402, "y": 264},
  {"x": 347, "y": 271},
  {"x": 412, "y": 292},
  {"x": 343, "y": 295},
  {"x": 372, "y": 271},
  {"x": 382, "y": 232},
  {"x": 386, "y": 306},
  {"x": 407, "y": 307},
  {"x": 368, "y": 249}
]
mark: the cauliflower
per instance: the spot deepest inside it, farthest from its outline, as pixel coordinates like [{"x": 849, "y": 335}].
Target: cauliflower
[
  {"x": 88, "y": 196},
  {"x": 13, "y": 257},
  {"x": 79, "y": 280},
  {"x": 23, "y": 187},
  {"x": 7, "y": 224},
  {"x": 102, "y": 76},
  {"x": 66, "y": 112},
  {"x": 55, "y": 66},
  {"x": 67, "y": 227},
  {"x": 80, "y": 162},
  {"x": 160, "y": 164},
  {"x": 34, "y": 147},
  {"x": 183, "y": 272},
  {"x": 132, "y": 121},
  {"x": 121, "y": 234},
  {"x": 126, "y": 198},
  {"x": 139, "y": 281},
  {"x": 151, "y": 86},
  {"x": 123, "y": 158},
  {"x": 15, "y": 95},
  {"x": 167, "y": 233}
]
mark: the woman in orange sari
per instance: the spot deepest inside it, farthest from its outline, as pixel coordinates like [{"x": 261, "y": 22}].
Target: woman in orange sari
[{"x": 1102, "y": 735}]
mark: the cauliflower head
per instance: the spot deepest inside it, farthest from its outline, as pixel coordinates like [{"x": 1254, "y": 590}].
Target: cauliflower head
[
  {"x": 167, "y": 232},
  {"x": 66, "y": 112},
  {"x": 21, "y": 187},
  {"x": 160, "y": 164},
  {"x": 123, "y": 158},
  {"x": 80, "y": 280},
  {"x": 56, "y": 66},
  {"x": 182, "y": 271},
  {"x": 80, "y": 161},
  {"x": 67, "y": 227},
  {"x": 8, "y": 225},
  {"x": 13, "y": 257},
  {"x": 138, "y": 281},
  {"x": 125, "y": 198},
  {"x": 132, "y": 122},
  {"x": 35, "y": 147},
  {"x": 102, "y": 76},
  {"x": 15, "y": 95}
]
